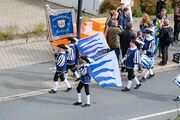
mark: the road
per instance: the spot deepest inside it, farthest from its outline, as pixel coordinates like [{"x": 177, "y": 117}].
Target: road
[{"x": 155, "y": 96}]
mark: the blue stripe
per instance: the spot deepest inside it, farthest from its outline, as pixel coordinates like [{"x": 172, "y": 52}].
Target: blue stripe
[{"x": 102, "y": 70}]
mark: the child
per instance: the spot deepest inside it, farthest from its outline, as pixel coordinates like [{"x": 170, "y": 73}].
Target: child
[
  {"x": 61, "y": 64},
  {"x": 132, "y": 59},
  {"x": 140, "y": 41},
  {"x": 72, "y": 58},
  {"x": 84, "y": 81},
  {"x": 177, "y": 82},
  {"x": 149, "y": 48}
]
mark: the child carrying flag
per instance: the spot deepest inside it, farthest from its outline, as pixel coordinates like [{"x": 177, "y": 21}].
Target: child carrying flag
[{"x": 85, "y": 80}]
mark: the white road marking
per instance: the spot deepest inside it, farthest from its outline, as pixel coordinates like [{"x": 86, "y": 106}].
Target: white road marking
[
  {"x": 154, "y": 115},
  {"x": 23, "y": 95},
  {"x": 29, "y": 94}
]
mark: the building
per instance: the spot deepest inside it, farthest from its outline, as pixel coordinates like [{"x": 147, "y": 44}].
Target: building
[{"x": 89, "y": 6}]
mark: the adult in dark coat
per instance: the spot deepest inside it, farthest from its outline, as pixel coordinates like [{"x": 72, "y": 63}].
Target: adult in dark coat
[
  {"x": 161, "y": 4},
  {"x": 164, "y": 44},
  {"x": 125, "y": 39},
  {"x": 176, "y": 21}
]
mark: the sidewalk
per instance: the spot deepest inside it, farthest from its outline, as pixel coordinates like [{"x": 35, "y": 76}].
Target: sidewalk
[{"x": 23, "y": 54}]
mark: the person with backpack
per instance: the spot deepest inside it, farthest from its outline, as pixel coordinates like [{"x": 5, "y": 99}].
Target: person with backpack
[{"x": 166, "y": 37}]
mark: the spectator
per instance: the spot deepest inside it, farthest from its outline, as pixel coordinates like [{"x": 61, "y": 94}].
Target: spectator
[
  {"x": 145, "y": 22},
  {"x": 113, "y": 15},
  {"x": 176, "y": 21},
  {"x": 158, "y": 23},
  {"x": 125, "y": 38},
  {"x": 164, "y": 42},
  {"x": 124, "y": 16},
  {"x": 113, "y": 37},
  {"x": 128, "y": 4},
  {"x": 161, "y": 4}
]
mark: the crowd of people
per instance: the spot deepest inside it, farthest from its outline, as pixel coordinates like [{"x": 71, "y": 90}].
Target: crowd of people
[{"x": 135, "y": 51}]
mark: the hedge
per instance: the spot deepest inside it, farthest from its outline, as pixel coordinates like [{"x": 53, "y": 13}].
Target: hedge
[{"x": 140, "y": 6}]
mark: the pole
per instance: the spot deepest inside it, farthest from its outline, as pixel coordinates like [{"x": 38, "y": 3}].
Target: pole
[{"x": 79, "y": 18}]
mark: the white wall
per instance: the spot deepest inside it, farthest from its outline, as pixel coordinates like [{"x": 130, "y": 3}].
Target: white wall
[{"x": 89, "y": 6}]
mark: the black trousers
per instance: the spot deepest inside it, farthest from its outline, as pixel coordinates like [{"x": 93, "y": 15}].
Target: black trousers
[
  {"x": 86, "y": 88},
  {"x": 176, "y": 30},
  {"x": 131, "y": 74},
  {"x": 124, "y": 53},
  {"x": 72, "y": 67},
  {"x": 164, "y": 51},
  {"x": 58, "y": 75}
]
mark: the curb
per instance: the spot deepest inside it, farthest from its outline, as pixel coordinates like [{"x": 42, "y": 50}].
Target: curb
[{"x": 157, "y": 68}]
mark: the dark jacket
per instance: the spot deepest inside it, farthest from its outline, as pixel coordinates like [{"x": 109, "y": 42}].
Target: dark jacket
[
  {"x": 113, "y": 37},
  {"x": 123, "y": 19},
  {"x": 125, "y": 39},
  {"x": 160, "y": 5},
  {"x": 163, "y": 35},
  {"x": 177, "y": 13}
]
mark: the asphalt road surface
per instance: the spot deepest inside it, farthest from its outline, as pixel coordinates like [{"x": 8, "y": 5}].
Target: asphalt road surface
[{"x": 153, "y": 101}]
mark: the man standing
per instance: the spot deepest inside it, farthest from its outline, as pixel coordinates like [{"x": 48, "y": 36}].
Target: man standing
[
  {"x": 128, "y": 4},
  {"x": 113, "y": 37},
  {"x": 123, "y": 17},
  {"x": 165, "y": 40},
  {"x": 125, "y": 40}
]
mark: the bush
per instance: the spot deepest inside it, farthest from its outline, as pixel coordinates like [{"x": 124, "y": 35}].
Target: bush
[
  {"x": 108, "y": 5},
  {"x": 140, "y": 6},
  {"x": 6, "y": 36},
  {"x": 148, "y": 6},
  {"x": 39, "y": 28},
  {"x": 137, "y": 11}
]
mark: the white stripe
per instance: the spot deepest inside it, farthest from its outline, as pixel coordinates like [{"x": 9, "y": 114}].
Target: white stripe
[
  {"x": 61, "y": 63},
  {"x": 109, "y": 82},
  {"x": 94, "y": 47},
  {"x": 154, "y": 115}
]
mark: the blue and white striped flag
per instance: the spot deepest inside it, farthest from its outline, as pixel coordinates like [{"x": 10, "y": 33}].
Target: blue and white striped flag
[
  {"x": 177, "y": 80},
  {"x": 93, "y": 45},
  {"x": 146, "y": 62},
  {"x": 105, "y": 70}
]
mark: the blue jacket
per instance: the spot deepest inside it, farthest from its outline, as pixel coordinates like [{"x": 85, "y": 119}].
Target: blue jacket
[
  {"x": 72, "y": 54},
  {"x": 61, "y": 62},
  {"x": 84, "y": 72},
  {"x": 150, "y": 47},
  {"x": 132, "y": 57},
  {"x": 123, "y": 20}
]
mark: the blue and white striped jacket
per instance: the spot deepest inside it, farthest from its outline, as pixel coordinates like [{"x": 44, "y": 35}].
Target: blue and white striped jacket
[
  {"x": 61, "y": 62},
  {"x": 72, "y": 55},
  {"x": 84, "y": 72},
  {"x": 132, "y": 57}
]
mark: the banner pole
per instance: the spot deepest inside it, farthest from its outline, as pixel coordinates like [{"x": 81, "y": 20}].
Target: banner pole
[{"x": 79, "y": 18}]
